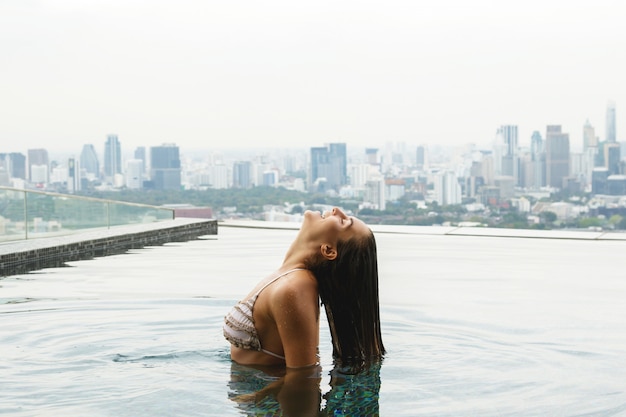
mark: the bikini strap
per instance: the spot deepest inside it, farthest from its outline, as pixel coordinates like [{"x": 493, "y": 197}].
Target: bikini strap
[{"x": 273, "y": 280}]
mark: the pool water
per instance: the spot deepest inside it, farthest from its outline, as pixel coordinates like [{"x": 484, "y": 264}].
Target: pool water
[{"x": 473, "y": 326}]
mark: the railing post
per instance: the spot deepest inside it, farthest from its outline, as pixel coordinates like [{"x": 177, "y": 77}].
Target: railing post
[
  {"x": 108, "y": 215},
  {"x": 25, "y": 215}
]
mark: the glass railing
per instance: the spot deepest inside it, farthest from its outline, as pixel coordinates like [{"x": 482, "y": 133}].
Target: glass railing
[{"x": 29, "y": 214}]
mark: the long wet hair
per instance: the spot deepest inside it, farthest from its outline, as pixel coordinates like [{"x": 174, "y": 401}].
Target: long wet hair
[{"x": 348, "y": 288}]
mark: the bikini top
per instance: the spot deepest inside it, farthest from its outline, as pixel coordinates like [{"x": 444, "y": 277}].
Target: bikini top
[{"x": 239, "y": 327}]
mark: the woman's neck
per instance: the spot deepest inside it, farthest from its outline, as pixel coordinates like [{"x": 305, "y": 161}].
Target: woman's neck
[{"x": 297, "y": 256}]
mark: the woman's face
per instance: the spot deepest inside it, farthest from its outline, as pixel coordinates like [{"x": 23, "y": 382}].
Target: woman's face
[{"x": 333, "y": 226}]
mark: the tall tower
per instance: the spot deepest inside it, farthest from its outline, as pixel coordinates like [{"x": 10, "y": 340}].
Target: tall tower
[
  {"x": 73, "y": 175},
  {"x": 590, "y": 140},
  {"x": 140, "y": 153},
  {"x": 339, "y": 162},
  {"x": 508, "y": 135},
  {"x": 134, "y": 174},
  {"x": 165, "y": 170},
  {"x": 14, "y": 163},
  {"x": 611, "y": 133},
  {"x": 242, "y": 174},
  {"x": 420, "y": 157},
  {"x": 612, "y": 157},
  {"x": 557, "y": 156},
  {"x": 329, "y": 163},
  {"x": 112, "y": 157},
  {"x": 38, "y": 165},
  {"x": 89, "y": 160},
  {"x": 538, "y": 161}
]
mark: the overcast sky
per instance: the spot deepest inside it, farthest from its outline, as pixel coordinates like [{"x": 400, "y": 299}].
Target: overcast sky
[{"x": 231, "y": 73}]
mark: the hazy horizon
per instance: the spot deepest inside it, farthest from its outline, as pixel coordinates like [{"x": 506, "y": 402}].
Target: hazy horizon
[{"x": 202, "y": 74}]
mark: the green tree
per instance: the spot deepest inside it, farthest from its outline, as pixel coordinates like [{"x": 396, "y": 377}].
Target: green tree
[
  {"x": 615, "y": 219},
  {"x": 549, "y": 217},
  {"x": 587, "y": 222}
]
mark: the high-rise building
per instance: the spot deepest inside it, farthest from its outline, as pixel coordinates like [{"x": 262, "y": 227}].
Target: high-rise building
[
  {"x": 537, "y": 156},
  {"x": 359, "y": 175},
  {"x": 611, "y": 132},
  {"x": 112, "y": 157},
  {"x": 590, "y": 140},
  {"x": 420, "y": 157},
  {"x": 330, "y": 164},
  {"x": 73, "y": 175},
  {"x": 134, "y": 174},
  {"x": 38, "y": 158},
  {"x": 371, "y": 155},
  {"x": 14, "y": 164},
  {"x": 270, "y": 178},
  {"x": 5, "y": 179},
  {"x": 589, "y": 157},
  {"x": 507, "y": 134},
  {"x": 612, "y": 157},
  {"x": 165, "y": 171},
  {"x": 242, "y": 174},
  {"x": 447, "y": 188},
  {"x": 557, "y": 156},
  {"x": 375, "y": 193},
  {"x": 89, "y": 161},
  {"x": 599, "y": 180},
  {"x": 140, "y": 153},
  {"x": 218, "y": 176},
  {"x": 39, "y": 174},
  {"x": 616, "y": 185}
]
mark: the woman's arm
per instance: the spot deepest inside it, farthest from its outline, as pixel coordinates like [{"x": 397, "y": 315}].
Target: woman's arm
[{"x": 297, "y": 392}]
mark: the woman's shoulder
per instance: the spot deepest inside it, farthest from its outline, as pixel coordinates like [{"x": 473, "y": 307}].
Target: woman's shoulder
[
  {"x": 297, "y": 283},
  {"x": 294, "y": 298}
]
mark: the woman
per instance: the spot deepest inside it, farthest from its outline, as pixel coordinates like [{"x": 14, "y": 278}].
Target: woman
[{"x": 332, "y": 259}]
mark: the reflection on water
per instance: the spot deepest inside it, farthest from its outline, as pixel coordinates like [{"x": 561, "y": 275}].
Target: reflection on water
[
  {"x": 353, "y": 394},
  {"x": 472, "y": 326},
  {"x": 270, "y": 392}
]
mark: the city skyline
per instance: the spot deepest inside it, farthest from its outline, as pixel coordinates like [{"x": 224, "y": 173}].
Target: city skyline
[
  {"x": 578, "y": 141},
  {"x": 203, "y": 73}
]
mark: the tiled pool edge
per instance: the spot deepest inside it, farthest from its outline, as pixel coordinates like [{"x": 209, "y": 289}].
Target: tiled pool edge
[{"x": 30, "y": 255}]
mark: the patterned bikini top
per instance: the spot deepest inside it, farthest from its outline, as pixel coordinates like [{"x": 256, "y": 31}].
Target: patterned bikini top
[{"x": 239, "y": 327}]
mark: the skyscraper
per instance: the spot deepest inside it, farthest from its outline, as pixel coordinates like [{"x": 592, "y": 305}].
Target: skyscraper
[
  {"x": 140, "y": 153},
  {"x": 612, "y": 157},
  {"x": 329, "y": 163},
  {"x": 611, "y": 132},
  {"x": 112, "y": 157},
  {"x": 89, "y": 160},
  {"x": 537, "y": 156},
  {"x": 420, "y": 157},
  {"x": 218, "y": 176},
  {"x": 589, "y": 155},
  {"x": 557, "y": 156},
  {"x": 73, "y": 175},
  {"x": 590, "y": 140},
  {"x": 165, "y": 170},
  {"x": 134, "y": 174},
  {"x": 447, "y": 188},
  {"x": 508, "y": 136},
  {"x": 38, "y": 158},
  {"x": 14, "y": 163},
  {"x": 242, "y": 174}
]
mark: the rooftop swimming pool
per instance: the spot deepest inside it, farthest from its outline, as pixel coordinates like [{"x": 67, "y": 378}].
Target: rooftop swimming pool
[{"x": 480, "y": 326}]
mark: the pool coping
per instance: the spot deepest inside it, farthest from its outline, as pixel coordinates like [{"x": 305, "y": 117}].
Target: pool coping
[
  {"x": 450, "y": 231},
  {"x": 20, "y": 257}
]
